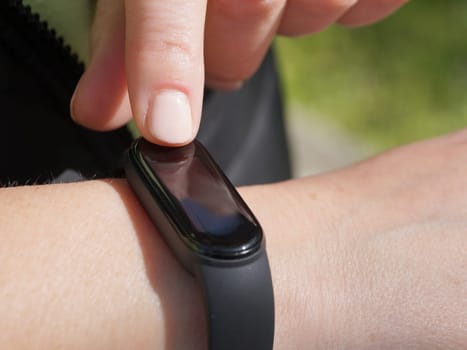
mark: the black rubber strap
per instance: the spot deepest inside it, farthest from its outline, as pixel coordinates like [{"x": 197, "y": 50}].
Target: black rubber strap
[{"x": 240, "y": 305}]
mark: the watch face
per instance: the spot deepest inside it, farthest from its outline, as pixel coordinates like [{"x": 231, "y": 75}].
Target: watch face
[{"x": 201, "y": 202}]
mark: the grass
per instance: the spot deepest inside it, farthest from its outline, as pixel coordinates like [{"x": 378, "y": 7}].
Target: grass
[{"x": 397, "y": 81}]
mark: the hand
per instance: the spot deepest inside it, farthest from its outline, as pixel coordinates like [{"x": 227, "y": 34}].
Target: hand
[{"x": 157, "y": 53}]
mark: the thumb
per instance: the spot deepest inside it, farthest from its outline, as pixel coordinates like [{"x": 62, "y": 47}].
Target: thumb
[{"x": 100, "y": 100}]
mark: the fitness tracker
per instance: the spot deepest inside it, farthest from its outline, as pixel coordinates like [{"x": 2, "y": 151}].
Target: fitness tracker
[{"x": 213, "y": 234}]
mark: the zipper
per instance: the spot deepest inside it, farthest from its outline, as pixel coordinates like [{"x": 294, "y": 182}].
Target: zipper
[
  {"x": 31, "y": 40},
  {"x": 50, "y": 62}
]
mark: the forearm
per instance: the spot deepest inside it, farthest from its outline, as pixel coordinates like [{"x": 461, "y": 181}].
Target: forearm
[{"x": 82, "y": 267}]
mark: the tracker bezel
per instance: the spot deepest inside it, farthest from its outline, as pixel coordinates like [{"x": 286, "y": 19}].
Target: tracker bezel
[{"x": 246, "y": 242}]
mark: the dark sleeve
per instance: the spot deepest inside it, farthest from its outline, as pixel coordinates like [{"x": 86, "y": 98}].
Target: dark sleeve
[{"x": 244, "y": 130}]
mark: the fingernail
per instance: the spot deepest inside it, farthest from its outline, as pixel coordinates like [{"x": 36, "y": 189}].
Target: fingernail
[{"x": 169, "y": 117}]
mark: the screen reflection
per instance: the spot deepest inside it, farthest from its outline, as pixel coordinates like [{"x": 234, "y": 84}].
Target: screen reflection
[{"x": 200, "y": 189}]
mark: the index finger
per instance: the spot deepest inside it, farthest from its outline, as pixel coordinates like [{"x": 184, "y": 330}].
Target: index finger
[{"x": 165, "y": 67}]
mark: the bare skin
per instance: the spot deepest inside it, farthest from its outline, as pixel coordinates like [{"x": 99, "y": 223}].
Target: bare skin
[
  {"x": 156, "y": 56},
  {"x": 373, "y": 256}
]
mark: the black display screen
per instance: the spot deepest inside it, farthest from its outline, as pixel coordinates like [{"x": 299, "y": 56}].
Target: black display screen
[{"x": 207, "y": 207}]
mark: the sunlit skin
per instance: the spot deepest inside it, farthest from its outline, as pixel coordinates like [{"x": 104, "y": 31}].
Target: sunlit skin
[
  {"x": 373, "y": 256},
  {"x": 151, "y": 59}
]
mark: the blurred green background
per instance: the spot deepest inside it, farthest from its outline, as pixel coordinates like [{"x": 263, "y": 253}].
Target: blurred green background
[{"x": 397, "y": 81}]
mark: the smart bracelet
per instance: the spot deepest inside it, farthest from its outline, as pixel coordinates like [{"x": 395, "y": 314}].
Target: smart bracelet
[{"x": 213, "y": 234}]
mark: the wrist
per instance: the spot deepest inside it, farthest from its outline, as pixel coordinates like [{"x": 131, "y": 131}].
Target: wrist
[
  {"x": 294, "y": 225},
  {"x": 321, "y": 280},
  {"x": 348, "y": 277}
]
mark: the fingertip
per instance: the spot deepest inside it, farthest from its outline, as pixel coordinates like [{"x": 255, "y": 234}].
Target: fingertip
[
  {"x": 366, "y": 12},
  {"x": 98, "y": 105},
  {"x": 168, "y": 114},
  {"x": 169, "y": 119},
  {"x": 100, "y": 101}
]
